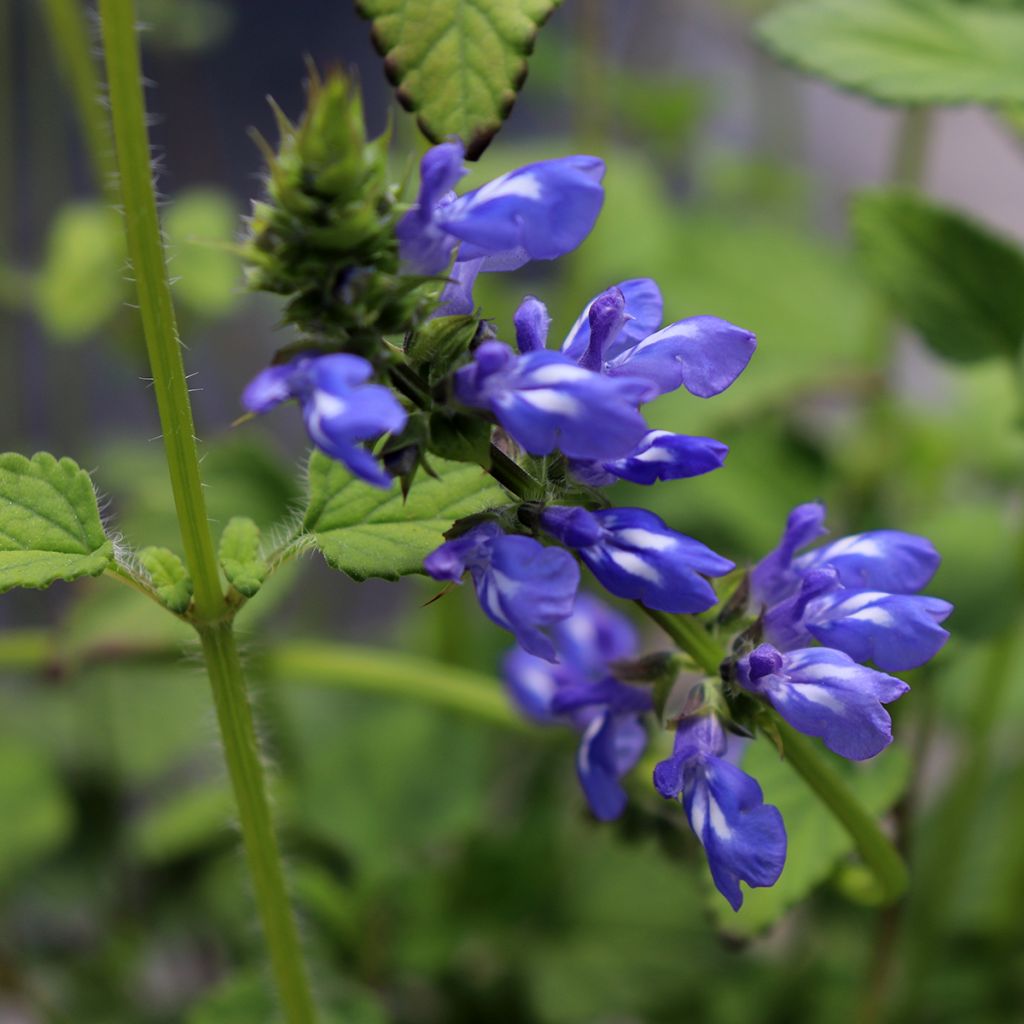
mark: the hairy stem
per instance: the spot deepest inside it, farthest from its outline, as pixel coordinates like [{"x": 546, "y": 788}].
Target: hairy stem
[
  {"x": 69, "y": 32},
  {"x": 211, "y": 614}
]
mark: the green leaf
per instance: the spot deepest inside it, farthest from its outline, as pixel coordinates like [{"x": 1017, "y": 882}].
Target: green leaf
[
  {"x": 50, "y": 525},
  {"x": 82, "y": 282},
  {"x": 959, "y": 284},
  {"x": 816, "y": 841},
  {"x": 365, "y": 531},
  {"x": 32, "y": 801},
  {"x": 439, "y": 345},
  {"x": 169, "y": 575},
  {"x": 200, "y": 226},
  {"x": 240, "y": 555},
  {"x": 457, "y": 64},
  {"x": 904, "y": 51}
]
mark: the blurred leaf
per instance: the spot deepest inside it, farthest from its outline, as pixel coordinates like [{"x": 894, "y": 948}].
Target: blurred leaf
[
  {"x": 169, "y": 575},
  {"x": 365, "y": 531},
  {"x": 239, "y": 554},
  {"x": 816, "y": 841},
  {"x": 82, "y": 281},
  {"x": 959, "y": 284},
  {"x": 242, "y": 999},
  {"x": 185, "y": 25},
  {"x": 50, "y": 525},
  {"x": 200, "y": 225},
  {"x": 457, "y": 65},
  {"x": 37, "y": 813},
  {"x": 904, "y": 51},
  {"x": 182, "y": 822}
]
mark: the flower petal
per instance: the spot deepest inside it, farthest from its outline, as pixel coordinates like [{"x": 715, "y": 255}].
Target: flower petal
[{"x": 643, "y": 308}]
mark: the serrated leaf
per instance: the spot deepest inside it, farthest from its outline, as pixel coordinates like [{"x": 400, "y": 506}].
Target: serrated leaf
[
  {"x": 457, "y": 64},
  {"x": 364, "y": 531},
  {"x": 169, "y": 575},
  {"x": 904, "y": 51},
  {"x": 50, "y": 525},
  {"x": 959, "y": 284},
  {"x": 816, "y": 841},
  {"x": 240, "y": 555}
]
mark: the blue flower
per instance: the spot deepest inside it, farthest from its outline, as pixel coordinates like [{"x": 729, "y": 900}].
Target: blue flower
[
  {"x": 339, "y": 408},
  {"x": 579, "y": 691},
  {"x": 522, "y": 585},
  {"x": 538, "y": 212},
  {"x": 856, "y": 595},
  {"x": 636, "y": 556},
  {"x": 744, "y": 838},
  {"x": 617, "y": 334},
  {"x": 545, "y": 401},
  {"x": 660, "y": 455},
  {"x": 825, "y": 693}
]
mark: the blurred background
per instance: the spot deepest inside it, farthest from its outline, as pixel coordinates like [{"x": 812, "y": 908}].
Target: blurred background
[{"x": 445, "y": 868}]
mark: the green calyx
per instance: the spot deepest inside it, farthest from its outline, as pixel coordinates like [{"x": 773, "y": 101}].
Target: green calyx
[{"x": 324, "y": 235}]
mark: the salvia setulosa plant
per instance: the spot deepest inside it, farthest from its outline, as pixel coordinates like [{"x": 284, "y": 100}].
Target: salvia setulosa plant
[{"x": 487, "y": 458}]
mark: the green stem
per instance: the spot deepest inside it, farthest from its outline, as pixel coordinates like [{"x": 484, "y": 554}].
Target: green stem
[
  {"x": 212, "y": 614},
  {"x": 243, "y": 756},
  {"x": 348, "y": 667},
  {"x": 69, "y": 32},
  {"x": 124, "y": 74},
  {"x": 689, "y": 636},
  {"x": 820, "y": 774}
]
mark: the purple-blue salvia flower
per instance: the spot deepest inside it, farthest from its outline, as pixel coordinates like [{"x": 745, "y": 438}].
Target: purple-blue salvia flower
[
  {"x": 636, "y": 556},
  {"x": 660, "y": 455},
  {"x": 856, "y": 594},
  {"x": 825, "y": 693},
  {"x": 617, "y": 334},
  {"x": 744, "y": 838},
  {"x": 546, "y": 402},
  {"x": 579, "y": 691},
  {"x": 339, "y": 408},
  {"x": 538, "y": 212},
  {"x": 523, "y": 586}
]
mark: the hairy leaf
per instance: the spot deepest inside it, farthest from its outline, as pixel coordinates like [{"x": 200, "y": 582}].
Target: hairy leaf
[
  {"x": 169, "y": 575},
  {"x": 457, "y": 64},
  {"x": 921, "y": 51},
  {"x": 364, "y": 531},
  {"x": 959, "y": 284},
  {"x": 240, "y": 555},
  {"x": 50, "y": 525}
]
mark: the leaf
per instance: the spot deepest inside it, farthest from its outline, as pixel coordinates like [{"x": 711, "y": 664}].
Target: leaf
[
  {"x": 200, "y": 226},
  {"x": 904, "y": 51},
  {"x": 240, "y": 555},
  {"x": 816, "y": 841},
  {"x": 457, "y": 64},
  {"x": 82, "y": 282},
  {"x": 50, "y": 525},
  {"x": 169, "y": 575},
  {"x": 34, "y": 805},
  {"x": 365, "y": 531},
  {"x": 959, "y": 284}
]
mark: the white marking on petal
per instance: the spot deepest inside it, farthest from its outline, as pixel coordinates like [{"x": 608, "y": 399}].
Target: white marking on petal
[
  {"x": 637, "y": 537},
  {"x": 698, "y": 811},
  {"x": 655, "y": 454},
  {"x": 858, "y": 544},
  {"x": 525, "y": 185},
  {"x": 584, "y": 750},
  {"x": 550, "y": 400},
  {"x": 632, "y": 563},
  {"x": 718, "y": 823},
  {"x": 557, "y": 373},
  {"x": 821, "y": 695},
  {"x": 875, "y": 615}
]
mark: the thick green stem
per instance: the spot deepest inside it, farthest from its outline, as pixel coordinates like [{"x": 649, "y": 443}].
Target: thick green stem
[
  {"x": 212, "y": 614},
  {"x": 247, "y": 779},
  {"x": 124, "y": 75}
]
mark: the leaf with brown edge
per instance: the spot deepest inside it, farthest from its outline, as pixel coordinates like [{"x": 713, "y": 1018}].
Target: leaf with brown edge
[{"x": 457, "y": 64}]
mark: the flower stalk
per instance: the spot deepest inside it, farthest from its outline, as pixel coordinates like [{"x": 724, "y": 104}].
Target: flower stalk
[{"x": 212, "y": 615}]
